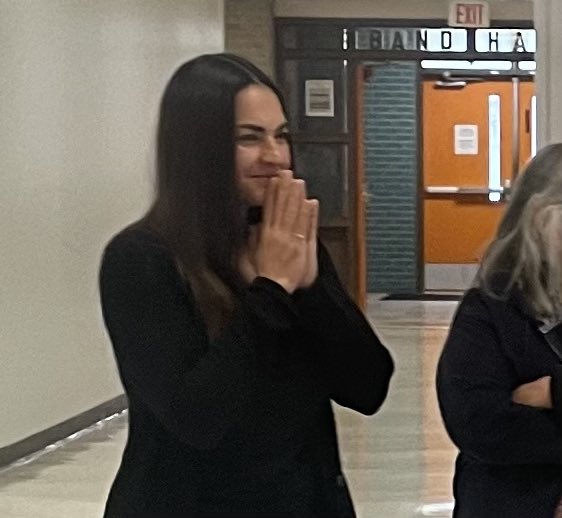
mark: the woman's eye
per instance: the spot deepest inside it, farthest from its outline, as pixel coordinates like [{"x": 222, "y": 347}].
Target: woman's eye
[
  {"x": 247, "y": 138},
  {"x": 253, "y": 138}
]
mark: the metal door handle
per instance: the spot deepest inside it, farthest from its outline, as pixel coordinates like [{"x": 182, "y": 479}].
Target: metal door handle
[{"x": 458, "y": 189}]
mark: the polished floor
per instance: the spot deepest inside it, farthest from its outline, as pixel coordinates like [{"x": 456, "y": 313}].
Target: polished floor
[{"x": 398, "y": 463}]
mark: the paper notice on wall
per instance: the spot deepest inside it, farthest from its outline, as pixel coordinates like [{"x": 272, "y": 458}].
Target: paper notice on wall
[
  {"x": 466, "y": 139},
  {"x": 319, "y": 97}
]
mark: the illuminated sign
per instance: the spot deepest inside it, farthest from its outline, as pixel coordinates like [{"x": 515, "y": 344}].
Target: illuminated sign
[
  {"x": 495, "y": 41},
  {"x": 469, "y": 14},
  {"x": 506, "y": 40},
  {"x": 404, "y": 38}
]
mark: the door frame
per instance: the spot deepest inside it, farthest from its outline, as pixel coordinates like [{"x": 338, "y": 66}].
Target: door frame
[
  {"x": 356, "y": 86},
  {"x": 357, "y": 78}
]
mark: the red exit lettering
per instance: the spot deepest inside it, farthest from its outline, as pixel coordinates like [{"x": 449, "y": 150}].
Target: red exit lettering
[{"x": 470, "y": 14}]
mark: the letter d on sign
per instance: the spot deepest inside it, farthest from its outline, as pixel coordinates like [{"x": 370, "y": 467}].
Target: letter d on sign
[{"x": 473, "y": 13}]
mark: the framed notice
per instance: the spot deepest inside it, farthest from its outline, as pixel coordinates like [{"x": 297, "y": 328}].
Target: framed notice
[
  {"x": 319, "y": 97},
  {"x": 466, "y": 139}
]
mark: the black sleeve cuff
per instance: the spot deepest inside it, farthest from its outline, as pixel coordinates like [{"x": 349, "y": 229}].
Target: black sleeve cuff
[
  {"x": 271, "y": 304},
  {"x": 311, "y": 296},
  {"x": 556, "y": 394},
  {"x": 315, "y": 296},
  {"x": 268, "y": 284}
]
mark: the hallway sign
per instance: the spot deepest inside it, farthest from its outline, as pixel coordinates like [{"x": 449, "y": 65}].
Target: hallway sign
[
  {"x": 466, "y": 139},
  {"x": 319, "y": 98},
  {"x": 505, "y": 40},
  {"x": 446, "y": 39},
  {"x": 406, "y": 38},
  {"x": 469, "y": 14}
]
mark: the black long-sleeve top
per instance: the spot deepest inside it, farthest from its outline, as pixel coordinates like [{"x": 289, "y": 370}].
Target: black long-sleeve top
[
  {"x": 510, "y": 460},
  {"x": 242, "y": 424}
]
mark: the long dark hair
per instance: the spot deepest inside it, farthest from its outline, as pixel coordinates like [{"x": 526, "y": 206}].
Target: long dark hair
[{"x": 198, "y": 211}]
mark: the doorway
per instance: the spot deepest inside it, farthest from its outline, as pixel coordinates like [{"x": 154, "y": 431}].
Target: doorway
[
  {"x": 320, "y": 65},
  {"x": 477, "y": 135}
]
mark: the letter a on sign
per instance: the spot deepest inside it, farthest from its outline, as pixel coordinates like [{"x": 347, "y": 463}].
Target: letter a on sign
[{"x": 469, "y": 14}]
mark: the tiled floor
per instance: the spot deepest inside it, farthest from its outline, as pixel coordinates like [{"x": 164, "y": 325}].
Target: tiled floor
[{"x": 398, "y": 463}]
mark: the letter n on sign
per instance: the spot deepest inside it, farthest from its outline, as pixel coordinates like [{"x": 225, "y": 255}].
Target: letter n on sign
[{"x": 469, "y": 14}]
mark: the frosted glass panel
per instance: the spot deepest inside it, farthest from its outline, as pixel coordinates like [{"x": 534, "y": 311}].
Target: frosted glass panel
[
  {"x": 494, "y": 146},
  {"x": 530, "y": 66},
  {"x": 457, "y": 64},
  {"x": 324, "y": 167}
]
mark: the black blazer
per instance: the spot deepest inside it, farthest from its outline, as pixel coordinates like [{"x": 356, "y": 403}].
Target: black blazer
[
  {"x": 510, "y": 460},
  {"x": 241, "y": 425}
]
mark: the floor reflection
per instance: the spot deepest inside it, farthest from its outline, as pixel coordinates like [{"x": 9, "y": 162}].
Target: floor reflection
[{"x": 399, "y": 463}]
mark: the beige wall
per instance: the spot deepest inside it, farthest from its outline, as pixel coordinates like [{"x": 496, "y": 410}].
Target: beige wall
[
  {"x": 500, "y": 9},
  {"x": 249, "y": 31},
  {"x": 548, "y": 17},
  {"x": 80, "y": 84}
]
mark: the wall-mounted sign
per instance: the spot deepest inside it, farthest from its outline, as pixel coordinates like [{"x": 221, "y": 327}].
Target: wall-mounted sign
[
  {"x": 466, "y": 139},
  {"x": 497, "y": 41},
  {"x": 319, "y": 97},
  {"x": 406, "y": 38},
  {"x": 469, "y": 14},
  {"x": 506, "y": 40}
]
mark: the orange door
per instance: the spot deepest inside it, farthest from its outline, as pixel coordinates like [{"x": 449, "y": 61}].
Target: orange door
[
  {"x": 459, "y": 225},
  {"x": 526, "y": 94}
]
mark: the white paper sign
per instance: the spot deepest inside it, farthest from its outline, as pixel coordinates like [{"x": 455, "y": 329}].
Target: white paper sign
[
  {"x": 319, "y": 97},
  {"x": 466, "y": 139}
]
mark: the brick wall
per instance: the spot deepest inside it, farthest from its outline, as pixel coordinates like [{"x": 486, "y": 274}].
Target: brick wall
[
  {"x": 391, "y": 170},
  {"x": 249, "y": 31}
]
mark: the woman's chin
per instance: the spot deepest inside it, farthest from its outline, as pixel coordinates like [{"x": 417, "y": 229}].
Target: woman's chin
[{"x": 256, "y": 197}]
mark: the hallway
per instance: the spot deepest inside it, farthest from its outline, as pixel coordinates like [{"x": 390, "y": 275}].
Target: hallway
[{"x": 398, "y": 463}]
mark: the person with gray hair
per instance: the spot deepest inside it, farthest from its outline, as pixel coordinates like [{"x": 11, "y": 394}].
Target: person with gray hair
[{"x": 499, "y": 377}]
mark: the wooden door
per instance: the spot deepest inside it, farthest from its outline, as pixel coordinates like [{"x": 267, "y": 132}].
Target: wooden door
[
  {"x": 460, "y": 218},
  {"x": 526, "y": 94}
]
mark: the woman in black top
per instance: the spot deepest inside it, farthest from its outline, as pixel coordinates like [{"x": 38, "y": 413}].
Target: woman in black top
[
  {"x": 500, "y": 374},
  {"x": 230, "y": 327}
]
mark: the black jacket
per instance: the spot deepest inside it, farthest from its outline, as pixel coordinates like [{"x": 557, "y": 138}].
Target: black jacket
[
  {"x": 510, "y": 460},
  {"x": 240, "y": 426}
]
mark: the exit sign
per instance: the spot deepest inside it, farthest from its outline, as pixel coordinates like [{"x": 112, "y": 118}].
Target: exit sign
[{"x": 469, "y": 14}]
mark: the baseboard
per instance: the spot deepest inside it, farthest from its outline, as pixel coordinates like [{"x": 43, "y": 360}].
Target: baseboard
[
  {"x": 449, "y": 276},
  {"x": 41, "y": 440}
]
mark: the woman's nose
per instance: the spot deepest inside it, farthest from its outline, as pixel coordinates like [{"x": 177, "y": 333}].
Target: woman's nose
[{"x": 271, "y": 151}]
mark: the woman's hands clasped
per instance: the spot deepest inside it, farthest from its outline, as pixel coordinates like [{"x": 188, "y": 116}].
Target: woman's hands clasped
[{"x": 283, "y": 248}]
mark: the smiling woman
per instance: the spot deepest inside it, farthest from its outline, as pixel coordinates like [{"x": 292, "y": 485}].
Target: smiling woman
[
  {"x": 262, "y": 141},
  {"x": 232, "y": 332}
]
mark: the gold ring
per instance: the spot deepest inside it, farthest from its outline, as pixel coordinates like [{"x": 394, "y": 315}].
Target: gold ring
[{"x": 300, "y": 236}]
